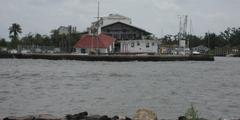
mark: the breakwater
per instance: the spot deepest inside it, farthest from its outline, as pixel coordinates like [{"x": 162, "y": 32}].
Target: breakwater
[
  {"x": 117, "y": 58},
  {"x": 141, "y": 114}
]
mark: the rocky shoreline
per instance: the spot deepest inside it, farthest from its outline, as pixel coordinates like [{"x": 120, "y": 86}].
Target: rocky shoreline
[{"x": 141, "y": 114}]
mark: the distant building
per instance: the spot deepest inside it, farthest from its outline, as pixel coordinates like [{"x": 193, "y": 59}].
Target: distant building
[
  {"x": 121, "y": 28},
  {"x": 168, "y": 49},
  {"x": 122, "y": 31},
  {"x": 139, "y": 46},
  {"x": 88, "y": 44},
  {"x": 113, "y": 18},
  {"x": 201, "y": 49},
  {"x": 67, "y": 29}
]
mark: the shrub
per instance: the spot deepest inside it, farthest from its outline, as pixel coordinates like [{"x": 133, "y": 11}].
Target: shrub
[{"x": 191, "y": 113}]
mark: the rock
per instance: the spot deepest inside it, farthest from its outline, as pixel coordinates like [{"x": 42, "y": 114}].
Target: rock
[
  {"x": 78, "y": 116},
  {"x": 104, "y": 118},
  {"x": 47, "y": 117},
  {"x": 229, "y": 119},
  {"x": 120, "y": 118},
  {"x": 93, "y": 117},
  {"x": 202, "y": 119},
  {"x": 182, "y": 118},
  {"x": 115, "y": 118},
  {"x": 19, "y": 118},
  {"x": 145, "y": 114}
]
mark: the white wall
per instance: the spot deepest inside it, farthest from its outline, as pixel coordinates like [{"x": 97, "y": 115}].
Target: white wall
[
  {"x": 113, "y": 18},
  {"x": 139, "y": 46},
  {"x": 107, "y": 21}
]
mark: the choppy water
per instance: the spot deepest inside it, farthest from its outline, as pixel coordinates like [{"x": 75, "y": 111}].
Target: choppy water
[{"x": 61, "y": 87}]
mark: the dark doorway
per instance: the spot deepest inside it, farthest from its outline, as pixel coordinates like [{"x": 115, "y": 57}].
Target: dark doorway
[{"x": 117, "y": 47}]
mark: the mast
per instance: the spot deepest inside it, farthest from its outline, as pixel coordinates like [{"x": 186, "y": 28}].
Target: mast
[
  {"x": 190, "y": 33},
  {"x": 185, "y": 30},
  {"x": 98, "y": 25},
  {"x": 180, "y": 30},
  {"x": 98, "y": 10}
]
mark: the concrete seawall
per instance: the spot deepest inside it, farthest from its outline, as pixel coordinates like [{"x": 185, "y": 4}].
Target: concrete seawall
[{"x": 117, "y": 58}]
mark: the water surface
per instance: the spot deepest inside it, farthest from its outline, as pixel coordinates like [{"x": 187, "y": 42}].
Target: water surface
[{"x": 112, "y": 88}]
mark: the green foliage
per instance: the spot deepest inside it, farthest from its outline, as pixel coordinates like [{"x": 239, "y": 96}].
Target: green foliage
[
  {"x": 228, "y": 38},
  {"x": 14, "y": 32},
  {"x": 194, "y": 40},
  {"x": 169, "y": 40},
  {"x": 36, "y": 39},
  {"x": 63, "y": 41},
  {"x": 3, "y": 43},
  {"x": 191, "y": 113}
]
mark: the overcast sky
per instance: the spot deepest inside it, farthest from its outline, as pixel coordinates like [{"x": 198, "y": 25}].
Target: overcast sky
[{"x": 159, "y": 17}]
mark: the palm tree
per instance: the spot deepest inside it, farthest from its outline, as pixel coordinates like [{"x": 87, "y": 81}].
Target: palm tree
[{"x": 14, "y": 31}]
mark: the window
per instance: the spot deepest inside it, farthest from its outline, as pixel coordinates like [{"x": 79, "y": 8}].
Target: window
[
  {"x": 138, "y": 43},
  {"x": 83, "y": 50},
  {"x": 147, "y": 45},
  {"x": 152, "y": 43},
  {"x": 132, "y": 44}
]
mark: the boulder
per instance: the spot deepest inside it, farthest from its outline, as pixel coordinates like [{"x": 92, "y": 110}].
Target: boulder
[
  {"x": 182, "y": 118},
  {"x": 120, "y": 118},
  {"x": 202, "y": 119},
  {"x": 79, "y": 116},
  {"x": 104, "y": 118},
  {"x": 93, "y": 117},
  {"x": 19, "y": 118},
  {"x": 145, "y": 114},
  {"x": 47, "y": 117}
]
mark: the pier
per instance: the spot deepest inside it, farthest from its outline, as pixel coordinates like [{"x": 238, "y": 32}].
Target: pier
[{"x": 113, "y": 58}]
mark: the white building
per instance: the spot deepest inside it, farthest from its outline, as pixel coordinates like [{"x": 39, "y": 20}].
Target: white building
[
  {"x": 129, "y": 38},
  {"x": 113, "y": 18},
  {"x": 139, "y": 46},
  {"x": 67, "y": 29}
]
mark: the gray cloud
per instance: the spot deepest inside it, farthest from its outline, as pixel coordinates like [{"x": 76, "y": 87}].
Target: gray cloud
[{"x": 156, "y": 16}]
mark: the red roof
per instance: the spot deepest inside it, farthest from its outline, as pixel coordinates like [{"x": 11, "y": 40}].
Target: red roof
[{"x": 90, "y": 41}]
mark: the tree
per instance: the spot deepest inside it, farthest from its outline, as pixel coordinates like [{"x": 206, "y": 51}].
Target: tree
[
  {"x": 65, "y": 41},
  {"x": 213, "y": 40},
  {"x": 14, "y": 32},
  {"x": 170, "y": 40},
  {"x": 231, "y": 37},
  {"x": 235, "y": 37},
  {"x": 3, "y": 43},
  {"x": 55, "y": 36},
  {"x": 194, "y": 40}
]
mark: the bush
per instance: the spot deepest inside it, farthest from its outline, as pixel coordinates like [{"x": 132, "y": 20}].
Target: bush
[{"x": 191, "y": 113}]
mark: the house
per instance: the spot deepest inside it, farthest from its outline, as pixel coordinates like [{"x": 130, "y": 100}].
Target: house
[
  {"x": 88, "y": 44},
  {"x": 121, "y": 28},
  {"x": 123, "y": 31},
  {"x": 113, "y": 18}
]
